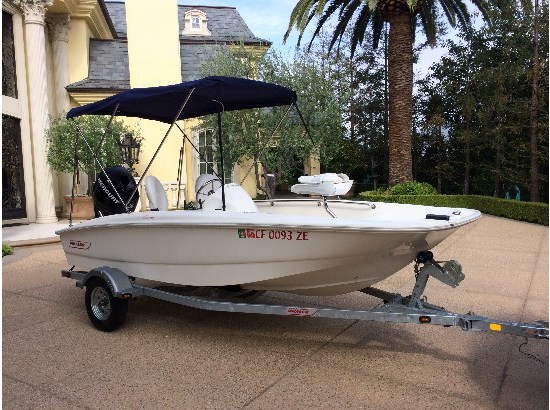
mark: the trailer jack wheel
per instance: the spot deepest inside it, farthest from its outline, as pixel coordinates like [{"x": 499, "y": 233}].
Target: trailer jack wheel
[{"x": 106, "y": 312}]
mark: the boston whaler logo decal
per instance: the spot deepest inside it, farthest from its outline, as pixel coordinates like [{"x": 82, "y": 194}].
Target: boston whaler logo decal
[
  {"x": 79, "y": 245},
  {"x": 273, "y": 234}
]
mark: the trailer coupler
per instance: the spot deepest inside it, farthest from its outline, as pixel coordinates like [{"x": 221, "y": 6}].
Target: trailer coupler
[{"x": 537, "y": 330}]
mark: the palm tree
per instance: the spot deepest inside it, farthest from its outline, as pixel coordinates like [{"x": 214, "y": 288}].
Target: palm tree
[{"x": 402, "y": 16}]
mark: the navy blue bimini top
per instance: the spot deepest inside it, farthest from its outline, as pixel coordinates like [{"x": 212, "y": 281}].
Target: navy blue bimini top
[{"x": 210, "y": 95}]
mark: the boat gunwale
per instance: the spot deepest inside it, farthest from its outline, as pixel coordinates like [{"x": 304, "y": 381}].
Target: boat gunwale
[{"x": 156, "y": 223}]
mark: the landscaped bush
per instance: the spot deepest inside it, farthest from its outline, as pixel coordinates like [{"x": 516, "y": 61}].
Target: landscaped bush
[
  {"x": 412, "y": 188},
  {"x": 535, "y": 212},
  {"x": 6, "y": 250},
  {"x": 407, "y": 188}
]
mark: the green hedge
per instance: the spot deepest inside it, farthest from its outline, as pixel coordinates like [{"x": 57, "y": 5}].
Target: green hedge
[{"x": 535, "y": 212}]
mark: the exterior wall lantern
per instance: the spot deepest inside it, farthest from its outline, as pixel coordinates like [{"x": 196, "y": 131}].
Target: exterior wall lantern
[{"x": 129, "y": 149}]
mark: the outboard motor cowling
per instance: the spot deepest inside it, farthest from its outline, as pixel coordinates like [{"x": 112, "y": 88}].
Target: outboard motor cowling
[{"x": 107, "y": 200}]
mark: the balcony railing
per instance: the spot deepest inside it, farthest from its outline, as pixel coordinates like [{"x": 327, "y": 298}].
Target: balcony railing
[{"x": 171, "y": 189}]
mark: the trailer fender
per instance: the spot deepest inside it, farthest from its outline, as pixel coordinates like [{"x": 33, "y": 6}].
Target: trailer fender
[{"x": 119, "y": 283}]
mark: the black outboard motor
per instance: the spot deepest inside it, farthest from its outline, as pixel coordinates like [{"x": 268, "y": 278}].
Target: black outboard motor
[{"x": 107, "y": 201}]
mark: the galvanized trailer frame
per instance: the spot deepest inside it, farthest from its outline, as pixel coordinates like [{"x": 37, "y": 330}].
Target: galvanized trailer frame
[{"x": 395, "y": 308}]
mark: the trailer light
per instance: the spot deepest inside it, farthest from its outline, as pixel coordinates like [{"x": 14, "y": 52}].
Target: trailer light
[
  {"x": 425, "y": 319},
  {"x": 126, "y": 296},
  {"x": 495, "y": 327}
]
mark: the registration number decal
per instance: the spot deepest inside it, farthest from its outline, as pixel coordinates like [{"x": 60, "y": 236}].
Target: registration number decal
[{"x": 273, "y": 234}]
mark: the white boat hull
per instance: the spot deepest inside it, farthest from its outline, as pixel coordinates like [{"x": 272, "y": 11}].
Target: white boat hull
[{"x": 295, "y": 248}]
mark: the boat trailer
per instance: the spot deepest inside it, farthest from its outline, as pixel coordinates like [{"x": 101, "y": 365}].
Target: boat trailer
[{"x": 109, "y": 289}]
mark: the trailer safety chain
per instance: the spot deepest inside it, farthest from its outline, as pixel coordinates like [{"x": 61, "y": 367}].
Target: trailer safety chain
[{"x": 529, "y": 355}]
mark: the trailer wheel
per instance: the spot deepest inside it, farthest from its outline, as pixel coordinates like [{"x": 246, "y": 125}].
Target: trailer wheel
[{"x": 106, "y": 312}]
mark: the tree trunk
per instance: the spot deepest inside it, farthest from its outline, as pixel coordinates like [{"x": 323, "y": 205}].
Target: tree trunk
[
  {"x": 439, "y": 159},
  {"x": 534, "y": 191},
  {"x": 497, "y": 193},
  {"x": 468, "y": 160},
  {"x": 400, "y": 110},
  {"x": 386, "y": 98}
]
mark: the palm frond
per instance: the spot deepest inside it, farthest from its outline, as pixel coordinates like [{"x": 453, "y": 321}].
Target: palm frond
[
  {"x": 343, "y": 21},
  {"x": 461, "y": 11},
  {"x": 449, "y": 12},
  {"x": 428, "y": 17},
  {"x": 377, "y": 26},
  {"x": 360, "y": 28},
  {"x": 301, "y": 34},
  {"x": 320, "y": 7},
  {"x": 334, "y": 5},
  {"x": 298, "y": 17}
]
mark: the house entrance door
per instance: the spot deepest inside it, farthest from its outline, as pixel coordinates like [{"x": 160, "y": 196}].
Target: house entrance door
[{"x": 13, "y": 182}]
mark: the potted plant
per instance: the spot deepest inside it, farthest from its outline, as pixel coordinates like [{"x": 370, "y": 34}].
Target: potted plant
[{"x": 102, "y": 138}]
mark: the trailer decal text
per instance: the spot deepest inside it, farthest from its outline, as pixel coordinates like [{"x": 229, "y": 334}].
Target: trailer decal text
[{"x": 294, "y": 311}]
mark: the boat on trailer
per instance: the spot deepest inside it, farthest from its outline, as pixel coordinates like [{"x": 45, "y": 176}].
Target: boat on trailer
[
  {"x": 287, "y": 245},
  {"x": 310, "y": 246}
]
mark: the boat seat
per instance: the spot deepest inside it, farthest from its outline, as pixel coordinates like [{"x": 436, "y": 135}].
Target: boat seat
[
  {"x": 324, "y": 184},
  {"x": 155, "y": 194},
  {"x": 236, "y": 200}
]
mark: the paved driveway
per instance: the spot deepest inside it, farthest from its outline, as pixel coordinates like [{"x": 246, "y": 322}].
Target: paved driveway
[{"x": 177, "y": 357}]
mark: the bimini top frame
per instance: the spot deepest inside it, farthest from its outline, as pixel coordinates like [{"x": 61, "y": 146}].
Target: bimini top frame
[{"x": 210, "y": 95}]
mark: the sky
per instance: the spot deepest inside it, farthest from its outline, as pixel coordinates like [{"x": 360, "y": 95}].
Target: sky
[{"x": 268, "y": 19}]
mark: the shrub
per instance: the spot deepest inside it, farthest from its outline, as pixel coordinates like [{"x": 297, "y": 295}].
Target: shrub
[
  {"x": 412, "y": 188},
  {"x": 6, "y": 250},
  {"x": 405, "y": 188},
  {"x": 535, "y": 212},
  {"x": 377, "y": 191},
  {"x": 63, "y": 133}
]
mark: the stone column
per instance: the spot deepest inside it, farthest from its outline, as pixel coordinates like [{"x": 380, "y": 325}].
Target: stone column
[
  {"x": 58, "y": 25},
  {"x": 34, "y": 12}
]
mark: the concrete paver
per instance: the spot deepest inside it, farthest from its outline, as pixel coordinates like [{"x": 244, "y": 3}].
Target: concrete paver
[
  {"x": 169, "y": 356},
  {"x": 32, "y": 234}
]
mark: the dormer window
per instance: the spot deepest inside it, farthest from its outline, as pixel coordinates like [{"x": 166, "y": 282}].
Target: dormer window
[{"x": 195, "y": 23}]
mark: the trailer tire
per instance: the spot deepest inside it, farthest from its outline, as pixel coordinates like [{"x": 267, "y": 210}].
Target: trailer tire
[{"x": 106, "y": 312}]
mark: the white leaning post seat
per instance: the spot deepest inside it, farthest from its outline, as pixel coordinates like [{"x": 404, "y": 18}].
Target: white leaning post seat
[
  {"x": 323, "y": 184},
  {"x": 236, "y": 200},
  {"x": 155, "y": 194}
]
